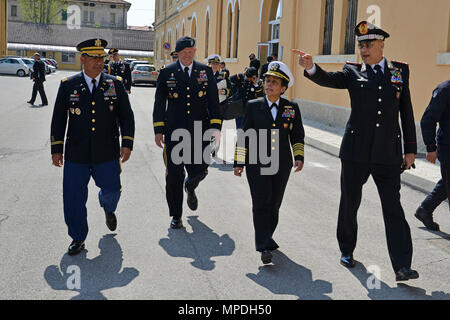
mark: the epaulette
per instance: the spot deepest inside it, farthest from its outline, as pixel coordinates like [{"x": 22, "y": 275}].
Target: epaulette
[
  {"x": 354, "y": 63},
  {"x": 400, "y": 62},
  {"x": 119, "y": 78},
  {"x": 64, "y": 79}
]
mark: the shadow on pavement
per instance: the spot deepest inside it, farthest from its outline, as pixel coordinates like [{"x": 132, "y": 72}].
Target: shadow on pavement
[
  {"x": 403, "y": 291},
  {"x": 201, "y": 245},
  {"x": 285, "y": 276},
  {"x": 96, "y": 275},
  {"x": 441, "y": 234},
  {"x": 221, "y": 164}
]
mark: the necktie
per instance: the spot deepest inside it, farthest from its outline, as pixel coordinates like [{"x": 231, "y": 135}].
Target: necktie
[
  {"x": 379, "y": 74},
  {"x": 93, "y": 87},
  {"x": 186, "y": 73}
]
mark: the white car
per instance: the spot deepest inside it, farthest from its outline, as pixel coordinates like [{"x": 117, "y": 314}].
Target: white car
[{"x": 14, "y": 66}]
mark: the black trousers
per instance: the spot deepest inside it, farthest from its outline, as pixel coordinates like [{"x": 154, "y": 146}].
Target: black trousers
[
  {"x": 440, "y": 191},
  {"x": 175, "y": 176},
  {"x": 39, "y": 86},
  {"x": 267, "y": 193},
  {"x": 387, "y": 179}
]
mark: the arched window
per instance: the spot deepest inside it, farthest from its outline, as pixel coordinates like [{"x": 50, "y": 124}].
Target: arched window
[
  {"x": 194, "y": 27},
  {"x": 236, "y": 28},
  {"x": 177, "y": 29},
  {"x": 229, "y": 28},
  {"x": 183, "y": 29},
  {"x": 207, "y": 34}
]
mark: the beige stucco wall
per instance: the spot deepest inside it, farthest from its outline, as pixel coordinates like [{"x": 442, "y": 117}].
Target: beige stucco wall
[
  {"x": 3, "y": 27},
  {"x": 416, "y": 37}
]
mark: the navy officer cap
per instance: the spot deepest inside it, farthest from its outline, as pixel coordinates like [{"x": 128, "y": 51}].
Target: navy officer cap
[
  {"x": 93, "y": 47},
  {"x": 184, "y": 42}
]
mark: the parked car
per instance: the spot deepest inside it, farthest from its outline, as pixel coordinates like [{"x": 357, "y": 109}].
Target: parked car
[
  {"x": 14, "y": 66},
  {"x": 54, "y": 62},
  {"x": 51, "y": 68},
  {"x": 144, "y": 73},
  {"x": 134, "y": 63}
]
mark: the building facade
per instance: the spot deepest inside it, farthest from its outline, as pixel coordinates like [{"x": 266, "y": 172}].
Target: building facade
[
  {"x": 3, "y": 27},
  {"x": 324, "y": 28},
  {"x": 93, "y": 13}
]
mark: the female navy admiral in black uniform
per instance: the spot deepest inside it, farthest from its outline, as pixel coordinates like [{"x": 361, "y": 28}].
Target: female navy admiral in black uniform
[
  {"x": 98, "y": 111},
  {"x": 281, "y": 120}
]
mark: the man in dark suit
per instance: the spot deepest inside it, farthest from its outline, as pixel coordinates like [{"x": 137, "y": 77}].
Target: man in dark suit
[
  {"x": 186, "y": 99},
  {"x": 99, "y": 112},
  {"x": 265, "y": 67},
  {"x": 438, "y": 111},
  {"x": 38, "y": 77},
  {"x": 379, "y": 91}
]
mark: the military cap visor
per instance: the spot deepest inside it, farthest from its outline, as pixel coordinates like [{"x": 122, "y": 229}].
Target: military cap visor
[
  {"x": 174, "y": 54},
  {"x": 93, "y": 47},
  {"x": 214, "y": 58},
  {"x": 280, "y": 70},
  {"x": 366, "y": 31},
  {"x": 113, "y": 51}
]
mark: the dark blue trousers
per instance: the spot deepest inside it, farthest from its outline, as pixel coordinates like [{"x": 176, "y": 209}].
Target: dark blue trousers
[
  {"x": 75, "y": 192},
  {"x": 440, "y": 191}
]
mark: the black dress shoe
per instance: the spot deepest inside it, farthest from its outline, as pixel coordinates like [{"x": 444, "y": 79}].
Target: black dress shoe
[
  {"x": 43, "y": 104},
  {"x": 266, "y": 256},
  {"x": 347, "y": 260},
  {"x": 427, "y": 219},
  {"x": 192, "y": 200},
  {"x": 111, "y": 220},
  {"x": 404, "y": 274},
  {"x": 176, "y": 223},
  {"x": 30, "y": 102},
  {"x": 75, "y": 247}
]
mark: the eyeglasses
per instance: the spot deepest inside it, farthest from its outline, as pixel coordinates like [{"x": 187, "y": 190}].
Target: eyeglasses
[{"x": 367, "y": 45}]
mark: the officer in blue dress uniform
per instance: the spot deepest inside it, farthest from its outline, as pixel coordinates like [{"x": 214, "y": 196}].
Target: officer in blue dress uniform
[
  {"x": 438, "y": 111},
  {"x": 281, "y": 120},
  {"x": 98, "y": 112},
  {"x": 117, "y": 67},
  {"x": 186, "y": 98},
  {"x": 379, "y": 91}
]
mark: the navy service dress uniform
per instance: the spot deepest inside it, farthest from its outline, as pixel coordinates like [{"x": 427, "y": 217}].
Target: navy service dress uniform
[
  {"x": 121, "y": 69},
  {"x": 372, "y": 145},
  {"x": 248, "y": 90},
  {"x": 181, "y": 102},
  {"x": 95, "y": 121},
  {"x": 438, "y": 111},
  {"x": 283, "y": 124}
]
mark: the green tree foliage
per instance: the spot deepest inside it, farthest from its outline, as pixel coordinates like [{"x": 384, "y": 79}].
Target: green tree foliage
[{"x": 42, "y": 11}]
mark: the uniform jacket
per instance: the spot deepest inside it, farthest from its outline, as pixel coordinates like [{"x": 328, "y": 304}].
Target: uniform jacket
[
  {"x": 438, "y": 111},
  {"x": 179, "y": 102},
  {"x": 287, "y": 128},
  {"x": 247, "y": 90},
  {"x": 123, "y": 70},
  {"x": 372, "y": 134},
  {"x": 95, "y": 122},
  {"x": 39, "y": 70}
]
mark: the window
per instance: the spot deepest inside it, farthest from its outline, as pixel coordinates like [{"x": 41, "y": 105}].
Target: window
[
  {"x": 328, "y": 27},
  {"x": 229, "y": 30},
  {"x": 207, "y": 35},
  {"x": 113, "y": 6},
  {"x": 91, "y": 17},
  {"x": 113, "y": 18},
  {"x": 13, "y": 11},
  {"x": 68, "y": 58},
  {"x": 85, "y": 16},
  {"x": 236, "y": 29},
  {"x": 13, "y": 61},
  {"x": 64, "y": 15},
  {"x": 350, "y": 27}
]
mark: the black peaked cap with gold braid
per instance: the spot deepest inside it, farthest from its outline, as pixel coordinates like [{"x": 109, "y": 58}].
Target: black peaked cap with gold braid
[{"x": 93, "y": 47}]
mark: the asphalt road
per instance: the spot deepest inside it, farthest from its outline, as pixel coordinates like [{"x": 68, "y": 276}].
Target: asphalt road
[{"x": 214, "y": 256}]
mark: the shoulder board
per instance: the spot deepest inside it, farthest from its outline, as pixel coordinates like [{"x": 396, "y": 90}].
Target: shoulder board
[
  {"x": 119, "y": 78},
  {"x": 162, "y": 67},
  {"x": 354, "y": 63},
  {"x": 64, "y": 79},
  {"x": 400, "y": 62}
]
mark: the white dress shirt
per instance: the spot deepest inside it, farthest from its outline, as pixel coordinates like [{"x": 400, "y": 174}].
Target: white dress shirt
[
  {"x": 274, "y": 111},
  {"x": 89, "y": 81},
  {"x": 190, "y": 67}
]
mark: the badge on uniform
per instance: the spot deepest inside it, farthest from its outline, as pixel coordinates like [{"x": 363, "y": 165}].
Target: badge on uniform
[
  {"x": 111, "y": 107},
  {"x": 285, "y": 125},
  {"x": 200, "y": 94},
  {"x": 435, "y": 93},
  {"x": 74, "y": 97},
  {"x": 72, "y": 110},
  {"x": 111, "y": 92},
  {"x": 77, "y": 111},
  {"x": 288, "y": 113},
  {"x": 396, "y": 77},
  {"x": 291, "y": 126},
  {"x": 203, "y": 77},
  {"x": 175, "y": 95}
]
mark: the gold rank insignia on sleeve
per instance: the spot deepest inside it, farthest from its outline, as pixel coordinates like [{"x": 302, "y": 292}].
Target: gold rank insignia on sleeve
[
  {"x": 240, "y": 154},
  {"x": 64, "y": 80},
  {"x": 299, "y": 149}
]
